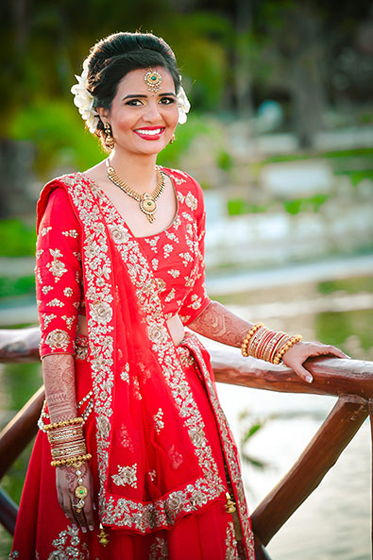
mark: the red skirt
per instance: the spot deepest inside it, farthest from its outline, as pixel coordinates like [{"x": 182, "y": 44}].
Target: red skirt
[{"x": 44, "y": 533}]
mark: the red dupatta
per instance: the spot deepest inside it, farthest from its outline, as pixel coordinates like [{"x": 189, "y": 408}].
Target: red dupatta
[{"x": 155, "y": 463}]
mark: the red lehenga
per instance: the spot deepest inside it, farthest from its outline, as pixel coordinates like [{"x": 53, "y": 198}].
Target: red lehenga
[{"x": 163, "y": 455}]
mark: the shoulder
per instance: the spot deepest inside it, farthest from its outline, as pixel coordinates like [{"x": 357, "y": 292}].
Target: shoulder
[
  {"x": 187, "y": 188},
  {"x": 55, "y": 197}
]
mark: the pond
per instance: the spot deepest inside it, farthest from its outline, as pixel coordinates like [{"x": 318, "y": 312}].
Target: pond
[{"x": 334, "y": 523}]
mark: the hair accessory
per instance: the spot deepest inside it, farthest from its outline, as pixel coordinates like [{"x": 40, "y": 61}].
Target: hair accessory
[
  {"x": 84, "y": 100},
  {"x": 183, "y": 105},
  {"x": 147, "y": 201},
  {"x": 153, "y": 80},
  {"x": 109, "y": 140}
]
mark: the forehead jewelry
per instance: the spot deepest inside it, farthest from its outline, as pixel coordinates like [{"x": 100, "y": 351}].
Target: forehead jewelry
[{"x": 153, "y": 80}]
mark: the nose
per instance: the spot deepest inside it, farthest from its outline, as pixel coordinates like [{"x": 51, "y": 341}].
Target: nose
[{"x": 152, "y": 113}]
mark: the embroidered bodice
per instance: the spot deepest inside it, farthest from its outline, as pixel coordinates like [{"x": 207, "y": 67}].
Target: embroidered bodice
[{"x": 175, "y": 255}]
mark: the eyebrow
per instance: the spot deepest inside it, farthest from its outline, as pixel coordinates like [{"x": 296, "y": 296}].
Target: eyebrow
[{"x": 142, "y": 96}]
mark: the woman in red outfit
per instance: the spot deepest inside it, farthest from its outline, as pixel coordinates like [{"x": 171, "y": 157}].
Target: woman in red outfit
[{"x": 134, "y": 459}]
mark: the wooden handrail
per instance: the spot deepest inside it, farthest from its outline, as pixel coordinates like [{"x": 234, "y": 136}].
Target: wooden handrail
[{"x": 350, "y": 380}]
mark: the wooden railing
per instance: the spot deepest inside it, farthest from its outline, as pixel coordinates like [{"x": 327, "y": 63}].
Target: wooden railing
[{"x": 350, "y": 380}]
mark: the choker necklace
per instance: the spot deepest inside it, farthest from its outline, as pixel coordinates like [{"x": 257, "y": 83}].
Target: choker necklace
[{"x": 147, "y": 201}]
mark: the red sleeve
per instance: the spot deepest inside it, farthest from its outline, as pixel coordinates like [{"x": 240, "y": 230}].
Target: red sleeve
[
  {"x": 197, "y": 299},
  {"x": 58, "y": 275}
]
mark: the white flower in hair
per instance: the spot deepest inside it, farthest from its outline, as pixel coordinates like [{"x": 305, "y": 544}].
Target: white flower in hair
[
  {"x": 183, "y": 106},
  {"x": 84, "y": 100}
]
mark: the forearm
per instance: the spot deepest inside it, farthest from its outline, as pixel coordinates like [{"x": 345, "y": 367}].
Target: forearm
[
  {"x": 59, "y": 381},
  {"x": 220, "y": 324}
]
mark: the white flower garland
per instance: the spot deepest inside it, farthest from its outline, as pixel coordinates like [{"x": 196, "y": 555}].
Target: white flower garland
[{"x": 84, "y": 101}]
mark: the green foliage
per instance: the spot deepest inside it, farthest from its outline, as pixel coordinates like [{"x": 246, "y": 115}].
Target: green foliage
[
  {"x": 248, "y": 428},
  {"x": 224, "y": 161},
  {"x": 355, "y": 152},
  {"x": 356, "y": 176},
  {"x": 12, "y": 287},
  {"x": 196, "y": 127},
  {"x": 348, "y": 285},
  {"x": 312, "y": 203},
  {"x": 239, "y": 206},
  {"x": 58, "y": 133},
  {"x": 16, "y": 239},
  {"x": 335, "y": 328}
]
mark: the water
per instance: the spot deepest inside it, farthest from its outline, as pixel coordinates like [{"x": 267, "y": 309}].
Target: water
[{"x": 334, "y": 523}]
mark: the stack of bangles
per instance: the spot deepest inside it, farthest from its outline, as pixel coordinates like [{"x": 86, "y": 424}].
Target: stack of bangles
[
  {"x": 265, "y": 344},
  {"x": 68, "y": 448}
]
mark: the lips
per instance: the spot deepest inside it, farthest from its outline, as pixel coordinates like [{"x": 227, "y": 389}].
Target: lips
[{"x": 150, "y": 133}]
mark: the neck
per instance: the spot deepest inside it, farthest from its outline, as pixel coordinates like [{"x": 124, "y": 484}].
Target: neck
[{"x": 136, "y": 170}]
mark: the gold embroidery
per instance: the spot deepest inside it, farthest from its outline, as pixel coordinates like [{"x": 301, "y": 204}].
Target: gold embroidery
[
  {"x": 159, "y": 550},
  {"x": 126, "y": 475},
  {"x": 57, "y": 268},
  {"x": 47, "y": 318},
  {"x": 71, "y": 233},
  {"x": 167, "y": 250},
  {"x": 46, "y": 289},
  {"x": 68, "y": 292},
  {"x": 45, "y": 230},
  {"x": 191, "y": 201},
  {"x": 58, "y": 339},
  {"x": 101, "y": 312},
  {"x": 69, "y": 547},
  {"x": 125, "y": 439},
  {"x": 158, "y": 421},
  {"x": 55, "y": 303},
  {"x": 231, "y": 552},
  {"x": 125, "y": 374},
  {"x": 69, "y": 321}
]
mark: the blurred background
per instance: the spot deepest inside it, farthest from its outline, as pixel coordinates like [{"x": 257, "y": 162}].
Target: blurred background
[{"x": 280, "y": 137}]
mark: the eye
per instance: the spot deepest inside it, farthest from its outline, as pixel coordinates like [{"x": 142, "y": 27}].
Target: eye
[
  {"x": 167, "y": 100},
  {"x": 134, "y": 103}
]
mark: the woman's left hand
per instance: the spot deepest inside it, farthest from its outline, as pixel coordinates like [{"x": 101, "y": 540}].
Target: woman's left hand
[{"x": 295, "y": 357}]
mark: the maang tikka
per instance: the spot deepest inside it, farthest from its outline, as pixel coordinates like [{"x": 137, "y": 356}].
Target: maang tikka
[{"x": 153, "y": 80}]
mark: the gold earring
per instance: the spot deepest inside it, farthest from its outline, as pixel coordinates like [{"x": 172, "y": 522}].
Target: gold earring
[
  {"x": 109, "y": 140},
  {"x": 173, "y": 138}
]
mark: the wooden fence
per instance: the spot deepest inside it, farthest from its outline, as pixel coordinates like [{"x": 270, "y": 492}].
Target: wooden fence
[{"x": 350, "y": 380}]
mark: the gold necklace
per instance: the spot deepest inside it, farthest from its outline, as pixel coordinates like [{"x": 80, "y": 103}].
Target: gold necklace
[{"x": 147, "y": 201}]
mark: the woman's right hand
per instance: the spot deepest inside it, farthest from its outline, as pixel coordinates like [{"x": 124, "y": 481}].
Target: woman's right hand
[{"x": 67, "y": 482}]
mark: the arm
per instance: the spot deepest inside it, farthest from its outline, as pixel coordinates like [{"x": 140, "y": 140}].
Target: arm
[
  {"x": 58, "y": 275},
  {"x": 59, "y": 381},
  {"x": 220, "y": 324}
]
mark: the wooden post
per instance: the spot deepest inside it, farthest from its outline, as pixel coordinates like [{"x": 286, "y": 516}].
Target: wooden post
[
  {"x": 20, "y": 431},
  {"x": 371, "y": 428},
  {"x": 317, "y": 459}
]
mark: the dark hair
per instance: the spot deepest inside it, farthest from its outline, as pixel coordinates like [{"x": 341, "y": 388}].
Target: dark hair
[{"x": 113, "y": 57}]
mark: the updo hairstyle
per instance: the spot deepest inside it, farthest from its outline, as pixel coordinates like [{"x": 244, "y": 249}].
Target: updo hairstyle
[{"x": 116, "y": 55}]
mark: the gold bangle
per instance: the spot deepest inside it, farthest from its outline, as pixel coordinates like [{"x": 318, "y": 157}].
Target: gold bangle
[
  {"x": 71, "y": 461},
  {"x": 247, "y": 338},
  {"x": 63, "y": 424},
  {"x": 292, "y": 340}
]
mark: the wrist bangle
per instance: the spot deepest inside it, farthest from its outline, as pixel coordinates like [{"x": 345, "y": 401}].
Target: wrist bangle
[{"x": 291, "y": 341}]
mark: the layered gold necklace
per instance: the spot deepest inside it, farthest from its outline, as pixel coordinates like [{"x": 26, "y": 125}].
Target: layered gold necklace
[{"x": 147, "y": 201}]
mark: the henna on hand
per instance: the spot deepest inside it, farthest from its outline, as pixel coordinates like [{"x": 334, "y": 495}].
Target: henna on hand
[
  {"x": 220, "y": 324},
  {"x": 59, "y": 381}
]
